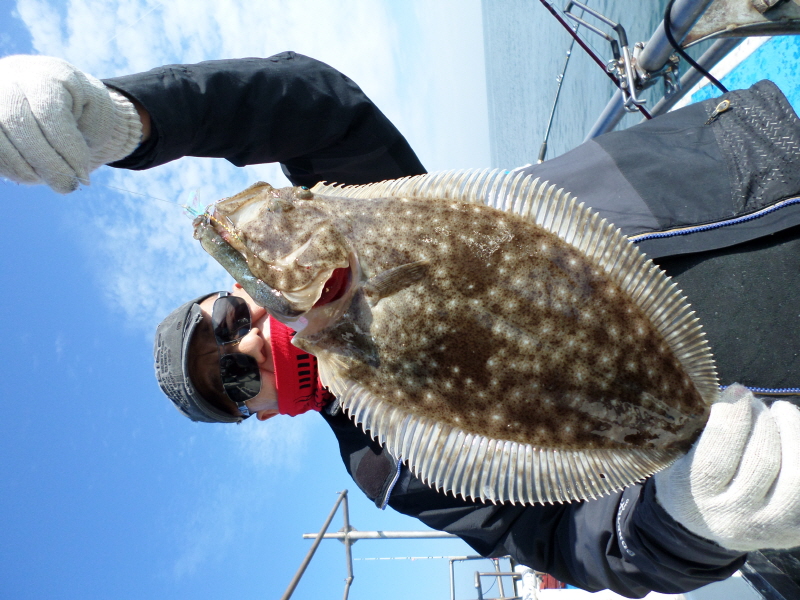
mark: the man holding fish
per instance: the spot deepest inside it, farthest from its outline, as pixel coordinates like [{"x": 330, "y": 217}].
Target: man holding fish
[{"x": 223, "y": 358}]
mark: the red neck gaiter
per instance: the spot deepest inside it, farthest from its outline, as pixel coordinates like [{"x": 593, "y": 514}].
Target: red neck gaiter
[{"x": 296, "y": 379}]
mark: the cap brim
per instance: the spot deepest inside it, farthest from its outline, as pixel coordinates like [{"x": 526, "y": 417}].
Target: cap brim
[{"x": 171, "y": 354}]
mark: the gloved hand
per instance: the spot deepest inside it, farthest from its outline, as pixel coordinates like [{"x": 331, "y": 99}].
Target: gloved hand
[
  {"x": 57, "y": 124},
  {"x": 740, "y": 484}
]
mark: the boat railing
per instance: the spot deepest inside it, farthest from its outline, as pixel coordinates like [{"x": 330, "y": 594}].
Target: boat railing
[{"x": 695, "y": 21}]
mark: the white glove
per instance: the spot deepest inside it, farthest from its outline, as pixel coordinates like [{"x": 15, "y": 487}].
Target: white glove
[
  {"x": 57, "y": 124},
  {"x": 739, "y": 486}
]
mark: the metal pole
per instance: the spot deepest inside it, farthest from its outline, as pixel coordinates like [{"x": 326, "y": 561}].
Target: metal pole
[
  {"x": 543, "y": 148},
  {"x": 478, "y": 587},
  {"x": 654, "y": 56},
  {"x": 297, "y": 576},
  {"x": 347, "y": 551},
  {"x": 499, "y": 578},
  {"x": 684, "y": 15},
  {"x": 381, "y": 535},
  {"x": 452, "y": 581}
]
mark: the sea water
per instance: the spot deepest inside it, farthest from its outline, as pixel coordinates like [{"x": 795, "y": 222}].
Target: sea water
[{"x": 525, "y": 49}]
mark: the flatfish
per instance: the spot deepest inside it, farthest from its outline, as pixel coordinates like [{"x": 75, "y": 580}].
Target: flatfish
[{"x": 502, "y": 339}]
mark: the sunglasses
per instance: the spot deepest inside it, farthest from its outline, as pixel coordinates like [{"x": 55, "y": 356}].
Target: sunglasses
[{"x": 241, "y": 376}]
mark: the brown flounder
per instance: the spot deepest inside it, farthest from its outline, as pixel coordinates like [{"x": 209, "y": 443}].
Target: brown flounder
[{"x": 503, "y": 340}]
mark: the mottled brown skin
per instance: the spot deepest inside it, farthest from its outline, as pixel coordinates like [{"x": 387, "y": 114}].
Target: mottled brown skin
[{"x": 511, "y": 333}]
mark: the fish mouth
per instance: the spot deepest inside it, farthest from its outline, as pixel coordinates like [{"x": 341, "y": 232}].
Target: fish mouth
[
  {"x": 331, "y": 294},
  {"x": 329, "y": 286},
  {"x": 335, "y": 287}
]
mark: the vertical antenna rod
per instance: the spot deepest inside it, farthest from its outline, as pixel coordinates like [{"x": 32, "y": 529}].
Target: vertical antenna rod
[{"x": 296, "y": 579}]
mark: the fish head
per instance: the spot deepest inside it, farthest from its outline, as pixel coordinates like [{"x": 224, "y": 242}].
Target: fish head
[{"x": 291, "y": 242}]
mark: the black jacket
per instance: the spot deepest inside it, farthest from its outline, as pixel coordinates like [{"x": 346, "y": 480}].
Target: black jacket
[{"x": 320, "y": 126}]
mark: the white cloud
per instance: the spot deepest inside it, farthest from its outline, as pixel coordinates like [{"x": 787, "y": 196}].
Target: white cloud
[{"x": 142, "y": 247}]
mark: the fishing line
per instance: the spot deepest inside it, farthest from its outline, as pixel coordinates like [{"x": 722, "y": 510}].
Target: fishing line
[
  {"x": 112, "y": 38},
  {"x": 587, "y": 41},
  {"x": 684, "y": 55},
  {"x": 189, "y": 206}
]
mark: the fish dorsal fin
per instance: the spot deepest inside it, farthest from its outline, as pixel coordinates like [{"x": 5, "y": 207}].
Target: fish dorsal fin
[{"x": 445, "y": 457}]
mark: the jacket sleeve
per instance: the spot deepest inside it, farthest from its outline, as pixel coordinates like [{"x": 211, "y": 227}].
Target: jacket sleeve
[
  {"x": 287, "y": 108},
  {"x": 624, "y": 542}
]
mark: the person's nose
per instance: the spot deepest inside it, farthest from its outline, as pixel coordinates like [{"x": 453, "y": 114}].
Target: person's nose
[
  {"x": 256, "y": 311},
  {"x": 253, "y": 344}
]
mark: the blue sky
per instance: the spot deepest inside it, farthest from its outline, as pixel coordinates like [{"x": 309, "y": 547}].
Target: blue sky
[{"x": 108, "y": 491}]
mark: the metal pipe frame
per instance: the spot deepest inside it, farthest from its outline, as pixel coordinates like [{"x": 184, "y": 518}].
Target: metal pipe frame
[
  {"x": 299, "y": 574},
  {"x": 653, "y": 57},
  {"x": 355, "y": 535}
]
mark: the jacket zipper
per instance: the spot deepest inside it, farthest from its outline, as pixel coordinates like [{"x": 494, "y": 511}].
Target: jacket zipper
[{"x": 727, "y": 223}]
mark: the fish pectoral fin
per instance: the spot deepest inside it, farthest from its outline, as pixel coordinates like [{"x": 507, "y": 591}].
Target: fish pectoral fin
[{"x": 394, "y": 280}]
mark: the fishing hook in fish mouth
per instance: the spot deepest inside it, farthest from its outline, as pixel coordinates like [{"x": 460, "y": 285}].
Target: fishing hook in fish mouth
[{"x": 227, "y": 226}]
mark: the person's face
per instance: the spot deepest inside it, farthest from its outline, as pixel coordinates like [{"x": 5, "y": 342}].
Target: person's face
[{"x": 256, "y": 344}]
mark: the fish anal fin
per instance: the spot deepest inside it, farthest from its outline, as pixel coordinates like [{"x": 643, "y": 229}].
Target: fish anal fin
[
  {"x": 394, "y": 280},
  {"x": 485, "y": 469}
]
